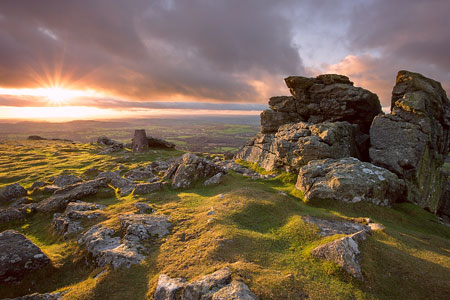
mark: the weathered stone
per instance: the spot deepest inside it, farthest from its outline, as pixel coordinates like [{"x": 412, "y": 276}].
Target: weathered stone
[
  {"x": 19, "y": 256},
  {"x": 70, "y": 221},
  {"x": 208, "y": 285},
  {"x": 170, "y": 288},
  {"x": 12, "y": 214},
  {"x": 146, "y": 188},
  {"x": 271, "y": 120},
  {"x": 216, "y": 179},
  {"x": 106, "y": 248},
  {"x": 349, "y": 180},
  {"x": 344, "y": 252},
  {"x": 294, "y": 145},
  {"x": 65, "y": 180},
  {"x": 11, "y": 192},
  {"x": 62, "y": 197},
  {"x": 217, "y": 285},
  {"x": 140, "y": 142},
  {"x": 191, "y": 169},
  {"x": 235, "y": 290},
  {"x": 413, "y": 140},
  {"x": 143, "y": 208},
  {"x": 145, "y": 225},
  {"x": 140, "y": 173},
  {"x": 125, "y": 186},
  {"x": 332, "y": 98}
]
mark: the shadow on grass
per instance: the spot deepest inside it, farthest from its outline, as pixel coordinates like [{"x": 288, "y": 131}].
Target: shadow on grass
[{"x": 393, "y": 273}]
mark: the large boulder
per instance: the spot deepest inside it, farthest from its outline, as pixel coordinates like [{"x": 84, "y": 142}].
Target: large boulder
[
  {"x": 19, "y": 256},
  {"x": 11, "y": 192},
  {"x": 190, "y": 169},
  {"x": 61, "y": 197},
  {"x": 294, "y": 145},
  {"x": 349, "y": 180},
  {"x": 413, "y": 140}
]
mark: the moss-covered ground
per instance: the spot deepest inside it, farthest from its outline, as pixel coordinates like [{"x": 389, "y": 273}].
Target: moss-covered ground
[{"x": 256, "y": 229}]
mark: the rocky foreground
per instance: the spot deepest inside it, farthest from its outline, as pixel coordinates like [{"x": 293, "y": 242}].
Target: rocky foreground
[{"x": 121, "y": 222}]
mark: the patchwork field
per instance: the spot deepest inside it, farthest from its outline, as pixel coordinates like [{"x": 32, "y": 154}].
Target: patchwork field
[{"x": 256, "y": 229}]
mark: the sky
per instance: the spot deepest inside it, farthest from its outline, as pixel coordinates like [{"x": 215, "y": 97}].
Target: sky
[{"x": 84, "y": 59}]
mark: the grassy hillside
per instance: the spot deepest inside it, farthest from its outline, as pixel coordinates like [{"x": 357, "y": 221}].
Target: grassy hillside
[{"x": 256, "y": 230}]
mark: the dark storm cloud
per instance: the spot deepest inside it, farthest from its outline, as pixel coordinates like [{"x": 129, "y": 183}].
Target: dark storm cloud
[
  {"x": 210, "y": 50},
  {"x": 387, "y": 36}
]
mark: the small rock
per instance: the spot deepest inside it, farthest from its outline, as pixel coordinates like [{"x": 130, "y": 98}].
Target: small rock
[
  {"x": 146, "y": 188},
  {"x": 11, "y": 192},
  {"x": 37, "y": 184},
  {"x": 216, "y": 179},
  {"x": 344, "y": 252},
  {"x": 65, "y": 180},
  {"x": 143, "y": 208}
]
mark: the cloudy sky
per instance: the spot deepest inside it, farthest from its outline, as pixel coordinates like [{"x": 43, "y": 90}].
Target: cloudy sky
[{"x": 85, "y": 58}]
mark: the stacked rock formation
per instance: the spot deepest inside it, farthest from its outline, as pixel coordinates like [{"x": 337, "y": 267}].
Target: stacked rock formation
[
  {"x": 344, "y": 148},
  {"x": 326, "y": 117},
  {"x": 413, "y": 140}
]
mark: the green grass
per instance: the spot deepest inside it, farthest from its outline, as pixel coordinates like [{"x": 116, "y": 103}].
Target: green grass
[{"x": 256, "y": 230}]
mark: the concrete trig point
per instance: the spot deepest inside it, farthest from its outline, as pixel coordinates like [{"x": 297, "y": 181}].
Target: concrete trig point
[{"x": 140, "y": 142}]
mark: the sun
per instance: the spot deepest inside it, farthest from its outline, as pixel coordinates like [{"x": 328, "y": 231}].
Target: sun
[{"x": 57, "y": 95}]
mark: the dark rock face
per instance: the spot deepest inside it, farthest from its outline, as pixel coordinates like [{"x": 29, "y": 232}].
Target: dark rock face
[
  {"x": 159, "y": 143},
  {"x": 19, "y": 256},
  {"x": 11, "y": 192},
  {"x": 349, "y": 180},
  {"x": 35, "y": 138},
  {"x": 413, "y": 140},
  {"x": 190, "y": 169},
  {"x": 271, "y": 120},
  {"x": 444, "y": 206},
  {"x": 294, "y": 145}
]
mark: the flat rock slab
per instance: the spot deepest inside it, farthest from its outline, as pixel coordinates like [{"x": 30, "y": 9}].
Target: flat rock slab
[
  {"x": 19, "y": 256},
  {"x": 62, "y": 197},
  {"x": 329, "y": 227},
  {"x": 218, "y": 285}
]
